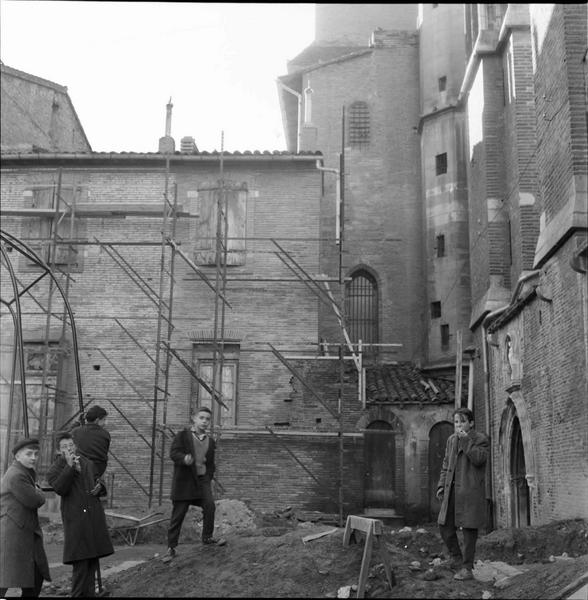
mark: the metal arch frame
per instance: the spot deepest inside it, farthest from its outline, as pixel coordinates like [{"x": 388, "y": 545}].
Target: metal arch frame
[{"x": 30, "y": 254}]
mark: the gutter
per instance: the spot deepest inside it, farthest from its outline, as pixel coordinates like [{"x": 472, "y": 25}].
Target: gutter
[
  {"x": 299, "y": 97},
  {"x": 337, "y": 172},
  {"x": 156, "y": 156}
]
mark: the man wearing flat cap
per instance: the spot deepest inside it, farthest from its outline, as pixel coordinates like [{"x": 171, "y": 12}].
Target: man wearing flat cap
[
  {"x": 23, "y": 562},
  {"x": 93, "y": 441}
]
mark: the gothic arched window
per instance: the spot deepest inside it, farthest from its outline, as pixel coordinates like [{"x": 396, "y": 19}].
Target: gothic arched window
[
  {"x": 359, "y": 124},
  {"x": 361, "y": 308}
]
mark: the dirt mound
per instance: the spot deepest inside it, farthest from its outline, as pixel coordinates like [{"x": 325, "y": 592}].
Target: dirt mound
[
  {"x": 272, "y": 555},
  {"x": 534, "y": 544}
]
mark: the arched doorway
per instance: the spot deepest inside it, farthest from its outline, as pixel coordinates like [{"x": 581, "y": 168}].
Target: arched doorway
[
  {"x": 519, "y": 488},
  {"x": 437, "y": 443},
  {"x": 380, "y": 483}
]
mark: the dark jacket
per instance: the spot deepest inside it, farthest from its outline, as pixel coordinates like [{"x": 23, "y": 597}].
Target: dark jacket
[
  {"x": 84, "y": 523},
  {"x": 465, "y": 464},
  {"x": 93, "y": 442},
  {"x": 185, "y": 481},
  {"x": 21, "y": 537}
]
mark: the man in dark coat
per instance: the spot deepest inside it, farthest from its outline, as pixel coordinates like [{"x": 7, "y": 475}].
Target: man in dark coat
[
  {"x": 192, "y": 452},
  {"x": 461, "y": 489},
  {"x": 86, "y": 537},
  {"x": 23, "y": 562}
]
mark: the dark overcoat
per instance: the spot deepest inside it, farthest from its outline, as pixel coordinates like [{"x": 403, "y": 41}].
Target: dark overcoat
[
  {"x": 93, "y": 442},
  {"x": 465, "y": 465},
  {"x": 21, "y": 537},
  {"x": 185, "y": 482},
  {"x": 85, "y": 531}
]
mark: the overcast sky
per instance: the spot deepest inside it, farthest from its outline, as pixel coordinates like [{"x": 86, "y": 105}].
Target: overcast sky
[{"x": 122, "y": 61}]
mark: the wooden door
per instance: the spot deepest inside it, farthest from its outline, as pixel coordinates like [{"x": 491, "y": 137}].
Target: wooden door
[
  {"x": 380, "y": 466},
  {"x": 521, "y": 514}
]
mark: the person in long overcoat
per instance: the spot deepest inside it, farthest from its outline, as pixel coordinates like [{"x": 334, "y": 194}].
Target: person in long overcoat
[
  {"x": 192, "y": 452},
  {"x": 86, "y": 537},
  {"x": 23, "y": 562},
  {"x": 462, "y": 491}
]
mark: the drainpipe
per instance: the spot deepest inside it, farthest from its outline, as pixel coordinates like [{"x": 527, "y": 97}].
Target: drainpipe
[
  {"x": 337, "y": 199},
  {"x": 299, "y": 124},
  {"x": 485, "y": 324}
]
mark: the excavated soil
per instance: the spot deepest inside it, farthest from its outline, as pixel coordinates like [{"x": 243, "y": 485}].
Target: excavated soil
[{"x": 267, "y": 557}]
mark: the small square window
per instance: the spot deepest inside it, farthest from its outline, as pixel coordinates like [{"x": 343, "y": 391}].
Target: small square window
[
  {"x": 444, "y": 337},
  {"x": 435, "y": 310},
  {"x": 440, "y": 245},
  {"x": 441, "y": 163},
  {"x": 442, "y": 83}
]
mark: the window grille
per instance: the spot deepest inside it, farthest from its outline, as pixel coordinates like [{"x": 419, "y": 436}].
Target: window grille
[
  {"x": 441, "y": 163},
  {"x": 444, "y": 337},
  {"x": 359, "y": 124},
  {"x": 440, "y": 245},
  {"x": 361, "y": 308}
]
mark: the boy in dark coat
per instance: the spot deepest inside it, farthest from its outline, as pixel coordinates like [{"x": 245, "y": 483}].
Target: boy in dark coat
[
  {"x": 461, "y": 489},
  {"x": 92, "y": 440},
  {"x": 86, "y": 537},
  {"x": 23, "y": 562},
  {"x": 192, "y": 452}
]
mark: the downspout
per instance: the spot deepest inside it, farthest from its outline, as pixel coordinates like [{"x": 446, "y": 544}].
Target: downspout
[
  {"x": 337, "y": 198},
  {"x": 486, "y": 363},
  {"x": 299, "y": 124}
]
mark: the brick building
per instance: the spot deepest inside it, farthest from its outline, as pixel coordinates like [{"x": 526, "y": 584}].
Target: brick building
[
  {"x": 433, "y": 195},
  {"x": 38, "y": 115}
]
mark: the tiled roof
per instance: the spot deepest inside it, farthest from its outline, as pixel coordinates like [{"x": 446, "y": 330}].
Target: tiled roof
[
  {"x": 177, "y": 153},
  {"x": 403, "y": 382},
  {"x": 314, "y": 54}
]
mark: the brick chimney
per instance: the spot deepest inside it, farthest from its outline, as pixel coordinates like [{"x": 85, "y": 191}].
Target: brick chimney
[{"x": 167, "y": 145}]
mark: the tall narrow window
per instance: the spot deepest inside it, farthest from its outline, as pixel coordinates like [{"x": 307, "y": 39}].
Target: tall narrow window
[
  {"x": 223, "y": 417},
  {"x": 444, "y": 337},
  {"x": 359, "y": 124},
  {"x": 435, "y": 310},
  {"x": 361, "y": 308},
  {"x": 440, "y": 245},
  {"x": 442, "y": 83},
  {"x": 203, "y": 363},
  {"x": 308, "y": 105},
  {"x": 441, "y": 163}
]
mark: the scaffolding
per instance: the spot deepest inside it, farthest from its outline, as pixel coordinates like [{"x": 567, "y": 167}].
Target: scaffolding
[{"x": 162, "y": 299}]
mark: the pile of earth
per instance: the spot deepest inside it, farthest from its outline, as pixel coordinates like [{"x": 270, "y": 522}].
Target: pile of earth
[{"x": 295, "y": 554}]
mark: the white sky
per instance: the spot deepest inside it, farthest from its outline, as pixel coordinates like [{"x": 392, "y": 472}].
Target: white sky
[{"x": 122, "y": 61}]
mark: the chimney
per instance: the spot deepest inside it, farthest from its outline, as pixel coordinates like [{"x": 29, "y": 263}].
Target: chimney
[
  {"x": 167, "y": 144},
  {"x": 188, "y": 145}
]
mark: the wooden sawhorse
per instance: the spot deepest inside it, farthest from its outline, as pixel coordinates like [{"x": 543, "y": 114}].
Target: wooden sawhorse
[{"x": 373, "y": 529}]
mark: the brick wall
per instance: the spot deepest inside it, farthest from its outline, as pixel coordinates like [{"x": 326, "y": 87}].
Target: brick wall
[
  {"x": 551, "y": 402},
  {"x": 382, "y": 184}
]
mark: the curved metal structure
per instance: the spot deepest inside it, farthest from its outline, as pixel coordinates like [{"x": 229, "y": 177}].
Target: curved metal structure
[{"x": 8, "y": 240}]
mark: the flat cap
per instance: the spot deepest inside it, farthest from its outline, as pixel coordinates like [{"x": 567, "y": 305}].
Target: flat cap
[{"x": 25, "y": 443}]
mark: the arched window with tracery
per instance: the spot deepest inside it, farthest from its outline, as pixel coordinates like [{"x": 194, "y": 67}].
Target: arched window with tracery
[
  {"x": 359, "y": 124},
  {"x": 361, "y": 308}
]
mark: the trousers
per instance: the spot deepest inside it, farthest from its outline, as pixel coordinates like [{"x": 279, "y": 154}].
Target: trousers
[
  {"x": 83, "y": 582},
  {"x": 449, "y": 535},
  {"x": 180, "y": 508}
]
